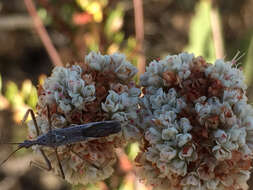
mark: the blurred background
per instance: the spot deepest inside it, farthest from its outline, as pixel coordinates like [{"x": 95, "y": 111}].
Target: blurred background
[{"x": 66, "y": 30}]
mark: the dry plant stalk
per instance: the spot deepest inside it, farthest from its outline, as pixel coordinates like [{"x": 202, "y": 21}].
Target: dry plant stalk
[
  {"x": 38, "y": 24},
  {"x": 139, "y": 32}
]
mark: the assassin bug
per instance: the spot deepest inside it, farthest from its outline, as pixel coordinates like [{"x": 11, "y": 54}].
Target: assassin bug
[{"x": 64, "y": 136}]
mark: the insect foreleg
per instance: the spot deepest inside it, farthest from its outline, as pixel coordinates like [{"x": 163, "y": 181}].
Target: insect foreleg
[
  {"x": 48, "y": 166},
  {"x": 33, "y": 118}
]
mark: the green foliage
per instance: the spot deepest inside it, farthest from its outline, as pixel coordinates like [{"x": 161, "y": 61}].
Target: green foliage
[
  {"x": 11, "y": 94},
  {"x": 87, "y": 187},
  {"x": 114, "y": 22},
  {"x": 92, "y": 25},
  {"x": 32, "y": 98},
  {"x": 126, "y": 185},
  {"x": 66, "y": 11},
  {"x": 47, "y": 19},
  {"x": 27, "y": 95},
  {"x": 132, "y": 150},
  {"x": 248, "y": 64},
  {"x": 77, "y": 187},
  {"x": 200, "y": 35}
]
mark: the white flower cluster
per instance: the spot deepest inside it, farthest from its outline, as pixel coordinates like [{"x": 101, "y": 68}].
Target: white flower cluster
[
  {"x": 198, "y": 125},
  {"x": 115, "y": 63},
  {"x": 180, "y": 64},
  {"x": 67, "y": 89},
  {"x": 99, "y": 89},
  {"x": 122, "y": 101},
  {"x": 123, "y": 107}
]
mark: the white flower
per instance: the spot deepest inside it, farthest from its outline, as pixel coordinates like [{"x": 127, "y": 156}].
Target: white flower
[
  {"x": 211, "y": 184},
  {"x": 167, "y": 154},
  {"x": 153, "y": 135},
  {"x": 221, "y": 136},
  {"x": 88, "y": 92},
  {"x": 120, "y": 116},
  {"x": 112, "y": 102},
  {"x": 191, "y": 181},
  {"x": 134, "y": 92},
  {"x": 152, "y": 155},
  {"x": 75, "y": 86},
  {"x": 179, "y": 167},
  {"x": 100, "y": 89},
  {"x": 123, "y": 69},
  {"x": 169, "y": 133},
  {"x": 97, "y": 61},
  {"x": 182, "y": 139},
  {"x": 131, "y": 133},
  {"x": 220, "y": 153},
  {"x": 198, "y": 124},
  {"x": 185, "y": 125},
  {"x": 65, "y": 106}
]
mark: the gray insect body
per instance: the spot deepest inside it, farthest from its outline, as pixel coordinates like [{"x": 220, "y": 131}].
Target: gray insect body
[
  {"x": 65, "y": 136},
  {"x": 77, "y": 133}
]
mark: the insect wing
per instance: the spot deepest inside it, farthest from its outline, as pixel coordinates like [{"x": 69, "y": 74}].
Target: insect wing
[{"x": 102, "y": 129}]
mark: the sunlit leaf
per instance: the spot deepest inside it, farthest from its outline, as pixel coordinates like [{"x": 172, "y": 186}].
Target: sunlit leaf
[
  {"x": 12, "y": 94},
  {"x": 96, "y": 10},
  {"x": 33, "y": 98},
  {"x": 131, "y": 43},
  {"x": 118, "y": 37},
  {"x": 83, "y": 3},
  {"x": 128, "y": 183},
  {"x": 46, "y": 18},
  {"x": 92, "y": 7},
  {"x": 26, "y": 88},
  {"x": 94, "y": 47},
  {"x": 114, "y": 21},
  {"x": 248, "y": 69},
  {"x": 200, "y": 37},
  {"x": 133, "y": 150}
]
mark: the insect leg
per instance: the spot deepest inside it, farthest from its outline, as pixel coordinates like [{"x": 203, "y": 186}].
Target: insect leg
[
  {"x": 33, "y": 118},
  {"x": 55, "y": 148},
  {"x": 49, "y": 118},
  {"x": 48, "y": 167},
  {"x": 59, "y": 163},
  {"x": 84, "y": 160}
]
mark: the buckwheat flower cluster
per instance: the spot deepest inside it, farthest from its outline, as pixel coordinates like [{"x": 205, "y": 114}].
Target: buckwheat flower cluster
[
  {"x": 198, "y": 127},
  {"x": 99, "y": 89}
]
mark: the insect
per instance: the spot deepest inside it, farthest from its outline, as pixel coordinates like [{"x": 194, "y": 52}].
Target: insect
[{"x": 64, "y": 136}]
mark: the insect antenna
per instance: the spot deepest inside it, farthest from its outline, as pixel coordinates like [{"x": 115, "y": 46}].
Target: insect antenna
[
  {"x": 10, "y": 153},
  {"x": 12, "y": 143}
]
